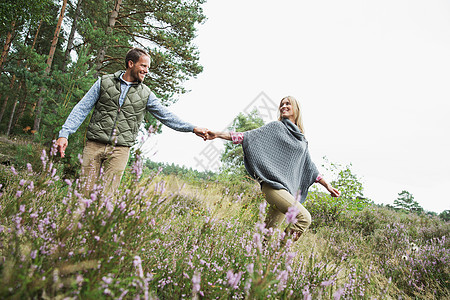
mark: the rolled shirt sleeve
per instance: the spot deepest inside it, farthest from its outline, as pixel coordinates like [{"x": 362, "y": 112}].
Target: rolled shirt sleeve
[
  {"x": 237, "y": 137},
  {"x": 169, "y": 119}
]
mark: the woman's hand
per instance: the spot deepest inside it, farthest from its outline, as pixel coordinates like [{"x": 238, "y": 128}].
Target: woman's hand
[
  {"x": 211, "y": 135},
  {"x": 333, "y": 191}
]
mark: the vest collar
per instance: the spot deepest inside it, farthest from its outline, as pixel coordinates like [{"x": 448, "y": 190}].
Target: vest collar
[{"x": 118, "y": 76}]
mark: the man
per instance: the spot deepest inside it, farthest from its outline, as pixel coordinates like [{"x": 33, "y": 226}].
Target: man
[{"x": 120, "y": 101}]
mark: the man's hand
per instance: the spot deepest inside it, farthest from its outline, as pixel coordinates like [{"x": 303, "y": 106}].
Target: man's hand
[
  {"x": 201, "y": 132},
  {"x": 61, "y": 145}
]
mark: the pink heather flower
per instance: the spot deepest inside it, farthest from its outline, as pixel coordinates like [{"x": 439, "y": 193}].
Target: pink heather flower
[
  {"x": 137, "y": 262},
  {"x": 291, "y": 215},
  {"x": 107, "y": 280},
  {"x": 33, "y": 254},
  {"x": 250, "y": 268},
  {"x": 327, "y": 282},
  {"x": 196, "y": 280},
  {"x": 31, "y": 186},
  {"x": 338, "y": 294},
  {"x": 18, "y": 194},
  {"x": 54, "y": 149},
  {"x": 262, "y": 210},
  {"x": 13, "y": 170},
  {"x": 282, "y": 279},
  {"x": 262, "y": 227},
  {"x": 159, "y": 170},
  {"x": 44, "y": 155},
  {"x": 79, "y": 279},
  {"x": 22, "y": 208},
  {"x": 68, "y": 182},
  {"x": 137, "y": 166},
  {"x": 22, "y": 182},
  {"x": 80, "y": 158},
  {"x": 234, "y": 279},
  {"x": 97, "y": 238},
  {"x": 29, "y": 168},
  {"x": 257, "y": 240},
  {"x": 93, "y": 197}
]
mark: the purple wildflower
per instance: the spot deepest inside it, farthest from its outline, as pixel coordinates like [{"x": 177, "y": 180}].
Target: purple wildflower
[
  {"x": 338, "y": 294},
  {"x": 13, "y": 170},
  {"x": 54, "y": 149},
  {"x": 18, "y": 194},
  {"x": 250, "y": 268},
  {"x": 33, "y": 254},
  {"x": 196, "y": 280},
  {"x": 234, "y": 279},
  {"x": 291, "y": 215},
  {"x": 282, "y": 279}
]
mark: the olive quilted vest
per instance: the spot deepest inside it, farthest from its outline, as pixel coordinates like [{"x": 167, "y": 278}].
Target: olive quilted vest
[{"x": 111, "y": 123}]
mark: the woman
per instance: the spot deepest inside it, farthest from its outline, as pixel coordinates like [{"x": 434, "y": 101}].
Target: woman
[{"x": 277, "y": 156}]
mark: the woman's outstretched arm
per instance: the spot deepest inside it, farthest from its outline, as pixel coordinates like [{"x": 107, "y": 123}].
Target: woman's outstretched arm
[
  {"x": 218, "y": 134},
  {"x": 333, "y": 191}
]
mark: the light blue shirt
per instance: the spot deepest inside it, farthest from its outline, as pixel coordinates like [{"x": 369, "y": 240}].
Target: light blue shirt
[{"x": 87, "y": 103}]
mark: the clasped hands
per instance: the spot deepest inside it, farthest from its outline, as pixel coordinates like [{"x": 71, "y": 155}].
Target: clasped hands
[{"x": 205, "y": 133}]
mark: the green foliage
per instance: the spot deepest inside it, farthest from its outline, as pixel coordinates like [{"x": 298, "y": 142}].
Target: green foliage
[
  {"x": 406, "y": 202},
  {"x": 346, "y": 182},
  {"x": 233, "y": 156},
  {"x": 187, "y": 174},
  {"x": 165, "y": 28},
  {"x": 445, "y": 215},
  {"x": 330, "y": 210}
]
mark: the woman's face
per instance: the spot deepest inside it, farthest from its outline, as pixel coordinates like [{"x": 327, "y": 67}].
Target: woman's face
[{"x": 286, "y": 110}]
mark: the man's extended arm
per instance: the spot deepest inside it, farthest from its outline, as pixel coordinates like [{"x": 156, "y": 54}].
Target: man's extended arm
[{"x": 169, "y": 119}]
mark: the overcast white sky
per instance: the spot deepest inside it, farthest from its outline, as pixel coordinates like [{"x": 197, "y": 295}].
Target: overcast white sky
[{"x": 372, "y": 77}]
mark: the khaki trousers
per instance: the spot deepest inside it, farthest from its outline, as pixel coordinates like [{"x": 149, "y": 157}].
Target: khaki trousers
[
  {"x": 280, "y": 201},
  {"x": 103, "y": 163}
]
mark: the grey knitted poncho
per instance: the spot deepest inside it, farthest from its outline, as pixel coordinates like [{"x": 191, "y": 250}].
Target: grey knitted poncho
[{"x": 278, "y": 155}]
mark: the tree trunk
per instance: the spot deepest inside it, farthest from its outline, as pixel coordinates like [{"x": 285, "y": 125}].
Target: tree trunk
[
  {"x": 55, "y": 38},
  {"x": 11, "y": 118},
  {"x": 7, "y": 45},
  {"x": 72, "y": 34},
  {"x": 23, "y": 105},
  {"x": 37, "y": 118},
  {"x": 111, "y": 23},
  {"x": 5, "y": 102},
  {"x": 20, "y": 85}
]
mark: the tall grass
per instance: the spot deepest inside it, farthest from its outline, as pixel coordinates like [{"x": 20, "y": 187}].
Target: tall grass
[{"x": 162, "y": 237}]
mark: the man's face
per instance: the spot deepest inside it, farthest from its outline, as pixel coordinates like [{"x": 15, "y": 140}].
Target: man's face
[{"x": 139, "y": 69}]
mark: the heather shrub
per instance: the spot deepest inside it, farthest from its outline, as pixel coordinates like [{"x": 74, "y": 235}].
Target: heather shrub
[{"x": 163, "y": 237}]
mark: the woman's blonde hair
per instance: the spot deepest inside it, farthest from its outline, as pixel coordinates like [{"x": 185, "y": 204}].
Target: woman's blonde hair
[{"x": 296, "y": 110}]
